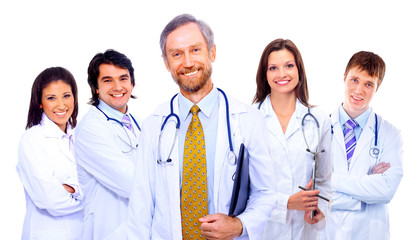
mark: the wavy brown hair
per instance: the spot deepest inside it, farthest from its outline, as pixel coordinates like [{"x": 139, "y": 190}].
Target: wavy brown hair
[{"x": 262, "y": 85}]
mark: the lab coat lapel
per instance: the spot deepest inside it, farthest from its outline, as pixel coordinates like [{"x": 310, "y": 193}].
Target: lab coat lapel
[
  {"x": 52, "y": 131},
  {"x": 222, "y": 147},
  {"x": 272, "y": 122},
  {"x": 363, "y": 143},
  {"x": 172, "y": 176},
  {"x": 295, "y": 122},
  {"x": 339, "y": 155},
  {"x": 222, "y": 144},
  {"x": 337, "y": 130}
]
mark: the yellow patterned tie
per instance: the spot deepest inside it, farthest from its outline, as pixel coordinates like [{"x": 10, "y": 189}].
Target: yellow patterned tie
[{"x": 194, "y": 182}]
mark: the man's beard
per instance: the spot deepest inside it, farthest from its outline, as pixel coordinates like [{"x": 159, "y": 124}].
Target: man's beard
[{"x": 195, "y": 84}]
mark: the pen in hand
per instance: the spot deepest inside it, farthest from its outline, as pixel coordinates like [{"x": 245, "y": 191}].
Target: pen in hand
[{"x": 318, "y": 195}]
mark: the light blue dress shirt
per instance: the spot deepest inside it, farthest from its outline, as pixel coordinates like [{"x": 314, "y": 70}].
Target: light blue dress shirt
[
  {"x": 208, "y": 115},
  {"x": 361, "y": 120}
]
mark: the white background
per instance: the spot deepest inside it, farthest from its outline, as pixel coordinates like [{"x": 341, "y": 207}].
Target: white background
[{"x": 35, "y": 35}]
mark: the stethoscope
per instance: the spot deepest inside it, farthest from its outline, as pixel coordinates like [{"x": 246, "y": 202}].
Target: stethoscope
[
  {"x": 132, "y": 147},
  {"x": 316, "y": 151},
  {"x": 171, "y": 115},
  {"x": 373, "y": 151}
]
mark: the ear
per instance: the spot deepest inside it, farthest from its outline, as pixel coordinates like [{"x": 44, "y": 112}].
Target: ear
[
  {"x": 41, "y": 106},
  {"x": 97, "y": 90},
  {"x": 213, "y": 54},
  {"x": 166, "y": 64}
]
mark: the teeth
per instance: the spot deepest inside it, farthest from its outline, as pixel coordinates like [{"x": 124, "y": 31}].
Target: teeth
[
  {"x": 61, "y": 114},
  {"x": 191, "y": 73},
  {"x": 356, "y": 98},
  {"x": 282, "y": 82},
  {"x": 118, "y": 95}
]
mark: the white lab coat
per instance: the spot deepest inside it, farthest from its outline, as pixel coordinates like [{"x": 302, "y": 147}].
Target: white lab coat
[
  {"x": 45, "y": 163},
  {"x": 154, "y": 209},
  {"x": 105, "y": 173},
  {"x": 359, "y": 209},
  {"x": 293, "y": 168}
]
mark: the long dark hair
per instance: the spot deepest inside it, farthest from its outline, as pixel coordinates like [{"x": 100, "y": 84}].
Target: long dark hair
[
  {"x": 262, "y": 85},
  {"x": 49, "y": 75}
]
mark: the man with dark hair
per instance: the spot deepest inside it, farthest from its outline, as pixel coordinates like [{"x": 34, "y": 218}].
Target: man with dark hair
[
  {"x": 367, "y": 157},
  {"x": 105, "y": 146},
  {"x": 184, "y": 190}
]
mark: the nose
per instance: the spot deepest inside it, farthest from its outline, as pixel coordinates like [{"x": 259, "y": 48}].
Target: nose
[
  {"x": 187, "y": 61},
  {"x": 117, "y": 85},
  {"x": 60, "y": 103},
  {"x": 282, "y": 72},
  {"x": 359, "y": 88}
]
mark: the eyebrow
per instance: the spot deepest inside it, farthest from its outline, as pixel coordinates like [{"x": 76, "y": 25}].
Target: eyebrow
[
  {"x": 198, "y": 44},
  {"x": 121, "y": 76}
]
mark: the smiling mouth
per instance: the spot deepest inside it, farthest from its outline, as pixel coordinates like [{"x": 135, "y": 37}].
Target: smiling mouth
[
  {"x": 61, "y": 113},
  {"x": 356, "y": 98},
  {"x": 117, "y": 95},
  {"x": 283, "y": 82},
  {"x": 191, "y": 73}
]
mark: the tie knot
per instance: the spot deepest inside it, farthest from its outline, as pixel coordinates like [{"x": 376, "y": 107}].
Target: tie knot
[
  {"x": 351, "y": 124},
  {"x": 126, "y": 121},
  {"x": 195, "y": 109}
]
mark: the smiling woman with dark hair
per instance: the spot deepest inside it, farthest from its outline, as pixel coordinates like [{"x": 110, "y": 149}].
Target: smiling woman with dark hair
[
  {"x": 46, "y": 164},
  {"x": 282, "y": 95}
]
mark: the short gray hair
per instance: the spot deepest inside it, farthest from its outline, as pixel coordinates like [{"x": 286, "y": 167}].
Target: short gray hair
[{"x": 182, "y": 20}]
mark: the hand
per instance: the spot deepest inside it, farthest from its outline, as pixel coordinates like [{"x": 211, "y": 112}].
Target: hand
[
  {"x": 380, "y": 168},
  {"x": 304, "y": 200},
  {"x": 220, "y": 226},
  {"x": 317, "y": 217},
  {"x": 68, "y": 188}
]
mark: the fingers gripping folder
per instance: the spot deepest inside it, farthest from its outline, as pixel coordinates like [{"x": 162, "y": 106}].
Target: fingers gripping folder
[{"x": 241, "y": 185}]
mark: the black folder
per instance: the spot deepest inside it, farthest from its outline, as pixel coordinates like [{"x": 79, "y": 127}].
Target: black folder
[{"x": 241, "y": 185}]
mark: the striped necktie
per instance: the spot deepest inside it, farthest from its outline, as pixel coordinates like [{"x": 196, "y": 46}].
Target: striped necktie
[
  {"x": 127, "y": 123},
  {"x": 193, "y": 202},
  {"x": 350, "y": 139}
]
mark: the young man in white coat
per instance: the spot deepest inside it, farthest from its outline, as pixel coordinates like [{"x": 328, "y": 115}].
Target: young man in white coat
[
  {"x": 167, "y": 201},
  {"x": 105, "y": 146},
  {"x": 367, "y": 157}
]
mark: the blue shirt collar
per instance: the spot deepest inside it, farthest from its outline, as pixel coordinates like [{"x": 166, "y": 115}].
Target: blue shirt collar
[
  {"x": 361, "y": 119},
  {"x": 206, "y": 105},
  {"x": 111, "y": 112}
]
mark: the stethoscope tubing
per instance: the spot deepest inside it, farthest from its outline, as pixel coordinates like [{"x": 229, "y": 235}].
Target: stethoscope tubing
[
  {"x": 121, "y": 124},
  {"x": 174, "y": 115}
]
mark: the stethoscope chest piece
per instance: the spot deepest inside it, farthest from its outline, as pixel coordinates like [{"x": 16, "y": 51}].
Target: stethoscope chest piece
[{"x": 374, "y": 152}]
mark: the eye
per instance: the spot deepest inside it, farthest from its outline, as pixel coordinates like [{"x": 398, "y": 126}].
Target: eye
[
  {"x": 175, "y": 55},
  {"x": 50, "y": 98},
  {"x": 354, "y": 80},
  {"x": 290, "y": 65},
  {"x": 67, "y": 95},
  {"x": 272, "y": 68},
  {"x": 196, "y": 49}
]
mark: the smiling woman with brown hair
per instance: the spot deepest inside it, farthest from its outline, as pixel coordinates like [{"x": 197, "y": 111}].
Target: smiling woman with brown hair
[{"x": 46, "y": 164}]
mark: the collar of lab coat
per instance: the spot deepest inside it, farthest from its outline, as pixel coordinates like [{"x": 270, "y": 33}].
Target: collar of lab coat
[
  {"x": 164, "y": 109},
  {"x": 273, "y": 123},
  {"x": 51, "y": 130}
]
